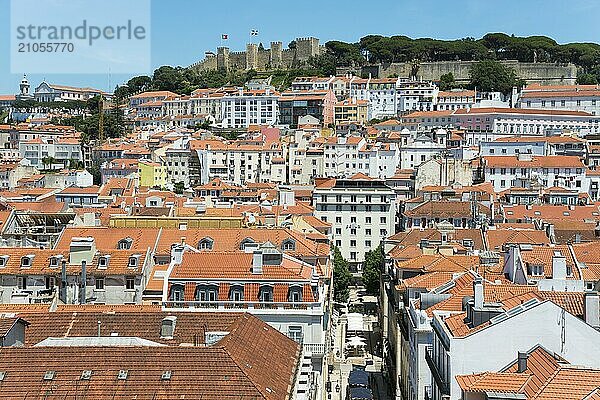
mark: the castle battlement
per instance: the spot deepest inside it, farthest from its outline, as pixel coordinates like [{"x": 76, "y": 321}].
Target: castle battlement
[{"x": 262, "y": 59}]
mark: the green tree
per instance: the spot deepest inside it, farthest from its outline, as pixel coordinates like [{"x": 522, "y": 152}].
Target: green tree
[
  {"x": 447, "y": 81},
  {"x": 492, "y": 76},
  {"x": 587, "y": 79},
  {"x": 341, "y": 277},
  {"x": 179, "y": 187},
  {"x": 374, "y": 260}
]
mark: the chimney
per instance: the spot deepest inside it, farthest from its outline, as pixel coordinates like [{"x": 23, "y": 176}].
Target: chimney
[
  {"x": 63, "y": 281},
  {"x": 591, "y": 309},
  {"x": 257, "y": 262},
  {"x": 183, "y": 240},
  {"x": 478, "y": 293},
  {"x": 83, "y": 281},
  {"x": 559, "y": 266},
  {"x": 522, "y": 362},
  {"x": 177, "y": 253}
]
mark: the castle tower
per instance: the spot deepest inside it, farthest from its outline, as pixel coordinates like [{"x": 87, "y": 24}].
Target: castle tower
[
  {"x": 306, "y": 48},
  {"x": 223, "y": 58},
  {"x": 276, "y": 54},
  {"x": 251, "y": 56}
]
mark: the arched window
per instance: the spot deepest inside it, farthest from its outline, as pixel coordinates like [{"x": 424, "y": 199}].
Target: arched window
[
  {"x": 125, "y": 244},
  {"x": 288, "y": 244},
  {"x": 265, "y": 294},
  {"x": 177, "y": 292},
  {"x": 207, "y": 293},
  {"x": 245, "y": 242},
  {"x": 205, "y": 244},
  {"x": 295, "y": 294},
  {"x": 236, "y": 293}
]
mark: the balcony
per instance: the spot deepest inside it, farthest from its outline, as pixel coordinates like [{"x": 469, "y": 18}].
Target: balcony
[
  {"x": 317, "y": 349},
  {"x": 257, "y": 307},
  {"x": 443, "y": 386}
]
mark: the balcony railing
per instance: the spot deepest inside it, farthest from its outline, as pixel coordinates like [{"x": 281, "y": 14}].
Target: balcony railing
[
  {"x": 259, "y": 306},
  {"x": 317, "y": 349}
]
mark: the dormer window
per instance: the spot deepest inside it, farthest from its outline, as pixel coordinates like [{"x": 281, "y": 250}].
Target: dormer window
[
  {"x": 236, "y": 293},
  {"x": 288, "y": 245},
  {"x": 103, "y": 262},
  {"x": 205, "y": 244},
  {"x": 55, "y": 261},
  {"x": 133, "y": 261},
  {"x": 125, "y": 244},
  {"x": 3, "y": 261},
  {"x": 246, "y": 242},
  {"x": 535, "y": 270},
  {"x": 26, "y": 261},
  {"x": 265, "y": 294},
  {"x": 295, "y": 294}
]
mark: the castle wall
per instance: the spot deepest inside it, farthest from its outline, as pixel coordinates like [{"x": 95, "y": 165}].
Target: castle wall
[{"x": 546, "y": 73}]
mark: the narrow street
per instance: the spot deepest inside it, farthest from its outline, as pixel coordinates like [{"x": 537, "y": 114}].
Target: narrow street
[{"x": 370, "y": 359}]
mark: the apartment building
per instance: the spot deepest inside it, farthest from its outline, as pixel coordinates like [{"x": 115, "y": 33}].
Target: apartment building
[
  {"x": 243, "y": 108},
  {"x": 455, "y": 99},
  {"x": 60, "y": 150},
  {"x": 361, "y": 210},
  {"x": 561, "y": 97},
  {"x": 523, "y": 121},
  {"x": 351, "y": 111},
  {"x": 520, "y": 323},
  {"x": 527, "y": 171},
  {"x": 416, "y": 96},
  {"x": 296, "y": 104}
]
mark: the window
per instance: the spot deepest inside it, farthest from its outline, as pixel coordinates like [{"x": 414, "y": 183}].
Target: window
[
  {"x": 265, "y": 294},
  {"x": 338, "y": 231},
  {"x": 288, "y": 245},
  {"x": 367, "y": 243},
  {"x": 26, "y": 261},
  {"x": 125, "y": 244},
  {"x": 236, "y": 293},
  {"x": 50, "y": 282},
  {"x": 103, "y": 262},
  {"x": 382, "y": 220},
  {"x": 338, "y": 220},
  {"x": 353, "y": 243},
  {"x": 3, "y": 260},
  {"x": 295, "y": 294},
  {"x": 207, "y": 293},
  {"x": 246, "y": 242},
  {"x": 54, "y": 261},
  {"x": 205, "y": 244},
  {"x": 353, "y": 255},
  {"x": 130, "y": 282},
  {"x": 99, "y": 283},
  {"x": 338, "y": 243},
  {"x": 367, "y": 220},
  {"x": 22, "y": 282},
  {"x": 176, "y": 293},
  {"x": 295, "y": 333},
  {"x": 536, "y": 270},
  {"x": 133, "y": 261}
]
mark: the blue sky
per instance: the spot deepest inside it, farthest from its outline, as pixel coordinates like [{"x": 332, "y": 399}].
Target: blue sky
[{"x": 182, "y": 30}]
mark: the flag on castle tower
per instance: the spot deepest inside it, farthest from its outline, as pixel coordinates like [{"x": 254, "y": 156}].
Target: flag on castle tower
[
  {"x": 224, "y": 36},
  {"x": 254, "y": 32}
]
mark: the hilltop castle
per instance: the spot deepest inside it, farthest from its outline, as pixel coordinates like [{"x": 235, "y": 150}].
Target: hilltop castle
[{"x": 262, "y": 59}]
